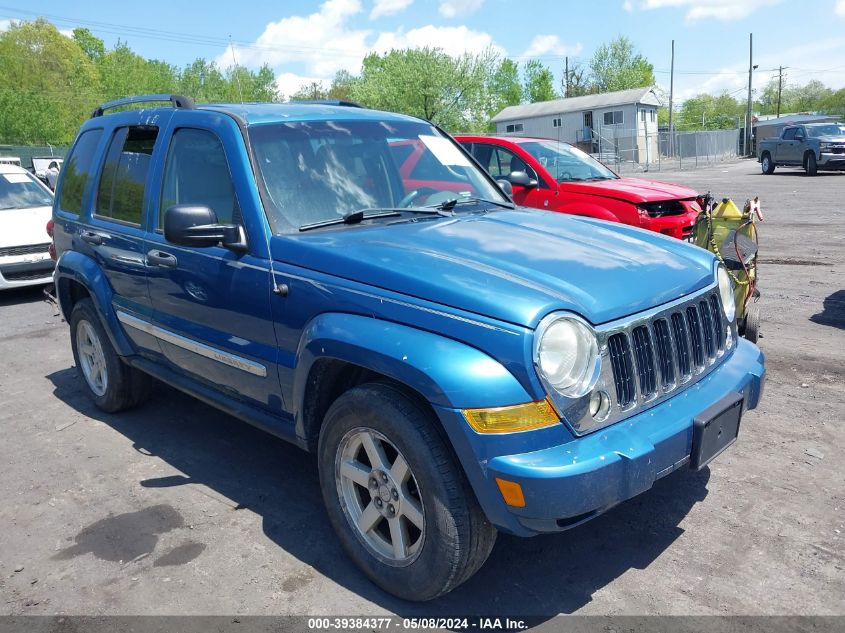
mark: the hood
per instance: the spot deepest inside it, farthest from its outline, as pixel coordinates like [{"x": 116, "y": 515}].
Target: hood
[
  {"x": 23, "y": 227},
  {"x": 633, "y": 189},
  {"x": 515, "y": 266},
  {"x": 840, "y": 138}
]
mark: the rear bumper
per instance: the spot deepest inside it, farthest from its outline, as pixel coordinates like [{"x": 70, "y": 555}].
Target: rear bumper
[{"x": 567, "y": 484}]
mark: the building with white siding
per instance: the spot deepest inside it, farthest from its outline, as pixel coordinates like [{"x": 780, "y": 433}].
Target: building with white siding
[{"x": 623, "y": 123}]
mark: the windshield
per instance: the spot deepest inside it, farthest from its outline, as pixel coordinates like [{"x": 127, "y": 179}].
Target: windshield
[
  {"x": 566, "y": 163},
  {"x": 318, "y": 171},
  {"x": 22, "y": 191},
  {"x": 825, "y": 130}
]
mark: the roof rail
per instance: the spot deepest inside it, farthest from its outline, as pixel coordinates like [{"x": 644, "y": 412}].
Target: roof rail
[
  {"x": 329, "y": 102},
  {"x": 178, "y": 101}
]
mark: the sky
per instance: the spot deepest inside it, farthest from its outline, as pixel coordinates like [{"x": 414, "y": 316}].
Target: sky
[{"x": 309, "y": 40}]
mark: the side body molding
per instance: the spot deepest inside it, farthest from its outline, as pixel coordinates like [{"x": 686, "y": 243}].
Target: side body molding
[
  {"x": 446, "y": 372},
  {"x": 75, "y": 266}
]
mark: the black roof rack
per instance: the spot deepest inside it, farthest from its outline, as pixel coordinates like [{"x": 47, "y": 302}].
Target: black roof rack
[
  {"x": 178, "y": 101},
  {"x": 329, "y": 102}
]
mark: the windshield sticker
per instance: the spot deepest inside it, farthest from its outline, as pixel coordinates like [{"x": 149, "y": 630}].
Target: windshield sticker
[
  {"x": 16, "y": 178},
  {"x": 444, "y": 151}
]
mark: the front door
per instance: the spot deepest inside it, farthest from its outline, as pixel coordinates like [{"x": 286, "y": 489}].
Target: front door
[
  {"x": 212, "y": 305},
  {"x": 500, "y": 162}
]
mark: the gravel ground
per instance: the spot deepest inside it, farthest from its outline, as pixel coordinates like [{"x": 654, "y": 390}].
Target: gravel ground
[{"x": 175, "y": 508}]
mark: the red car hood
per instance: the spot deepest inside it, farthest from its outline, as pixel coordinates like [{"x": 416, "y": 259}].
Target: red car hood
[{"x": 632, "y": 189}]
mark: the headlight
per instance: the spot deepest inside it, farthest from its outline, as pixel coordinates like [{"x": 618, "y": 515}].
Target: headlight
[
  {"x": 825, "y": 146},
  {"x": 726, "y": 290},
  {"x": 566, "y": 355}
]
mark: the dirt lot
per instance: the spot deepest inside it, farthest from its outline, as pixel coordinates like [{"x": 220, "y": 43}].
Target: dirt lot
[{"x": 177, "y": 509}]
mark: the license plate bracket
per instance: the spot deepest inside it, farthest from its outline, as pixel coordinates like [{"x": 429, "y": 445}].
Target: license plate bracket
[{"x": 715, "y": 429}]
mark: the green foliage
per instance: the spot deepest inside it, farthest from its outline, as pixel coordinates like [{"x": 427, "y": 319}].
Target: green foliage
[
  {"x": 810, "y": 97},
  {"x": 51, "y": 82},
  {"x": 539, "y": 82},
  {"x": 579, "y": 82},
  {"x": 706, "y": 112},
  {"x": 430, "y": 84},
  {"x": 618, "y": 66}
]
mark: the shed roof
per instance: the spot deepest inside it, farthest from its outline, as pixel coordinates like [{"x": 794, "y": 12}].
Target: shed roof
[{"x": 575, "y": 104}]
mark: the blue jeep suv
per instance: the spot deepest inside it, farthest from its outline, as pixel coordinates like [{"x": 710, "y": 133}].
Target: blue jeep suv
[{"x": 354, "y": 282}]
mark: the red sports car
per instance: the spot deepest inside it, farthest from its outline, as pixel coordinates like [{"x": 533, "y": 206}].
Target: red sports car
[{"x": 556, "y": 176}]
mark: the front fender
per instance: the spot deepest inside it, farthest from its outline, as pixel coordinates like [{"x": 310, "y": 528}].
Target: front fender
[
  {"x": 446, "y": 372},
  {"x": 74, "y": 266}
]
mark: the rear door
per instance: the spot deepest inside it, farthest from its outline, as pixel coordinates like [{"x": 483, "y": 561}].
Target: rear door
[
  {"x": 115, "y": 234},
  {"x": 212, "y": 305}
]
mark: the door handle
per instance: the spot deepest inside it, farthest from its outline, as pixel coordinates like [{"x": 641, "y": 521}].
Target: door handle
[
  {"x": 161, "y": 259},
  {"x": 92, "y": 238}
]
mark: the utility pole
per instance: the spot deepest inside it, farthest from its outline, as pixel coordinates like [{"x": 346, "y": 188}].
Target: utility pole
[
  {"x": 566, "y": 79},
  {"x": 780, "y": 85},
  {"x": 671, "y": 94},
  {"x": 748, "y": 123}
]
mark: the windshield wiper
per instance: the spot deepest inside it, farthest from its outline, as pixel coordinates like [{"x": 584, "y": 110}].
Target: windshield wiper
[
  {"x": 450, "y": 204},
  {"x": 353, "y": 217}
]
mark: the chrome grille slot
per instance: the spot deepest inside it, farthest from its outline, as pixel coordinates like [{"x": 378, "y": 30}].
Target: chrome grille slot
[
  {"x": 645, "y": 361},
  {"x": 663, "y": 349},
  {"x": 716, "y": 308},
  {"x": 623, "y": 370},
  {"x": 707, "y": 329},
  {"x": 679, "y": 329},
  {"x": 694, "y": 328},
  {"x": 32, "y": 249}
]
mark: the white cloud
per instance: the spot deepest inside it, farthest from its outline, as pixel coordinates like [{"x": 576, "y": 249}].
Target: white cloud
[
  {"x": 455, "y": 40},
  {"x": 66, "y": 32},
  {"x": 297, "y": 39},
  {"x": 288, "y": 83},
  {"x": 550, "y": 45},
  {"x": 725, "y": 10},
  {"x": 388, "y": 7},
  {"x": 839, "y": 8},
  {"x": 455, "y": 8},
  {"x": 291, "y": 47},
  {"x": 4, "y": 25}
]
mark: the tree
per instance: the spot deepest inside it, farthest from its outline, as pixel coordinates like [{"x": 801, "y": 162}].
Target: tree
[
  {"x": 428, "y": 83},
  {"x": 90, "y": 44},
  {"x": 203, "y": 81},
  {"x": 706, "y": 112},
  {"x": 579, "y": 81},
  {"x": 539, "y": 82},
  {"x": 313, "y": 91},
  {"x": 49, "y": 84},
  {"x": 342, "y": 86},
  {"x": 834, "y": 103},
  {"x": 618, "y": 66}
]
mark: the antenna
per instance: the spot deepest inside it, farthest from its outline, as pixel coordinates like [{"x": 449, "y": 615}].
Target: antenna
[{"x": 235, "y": 69}]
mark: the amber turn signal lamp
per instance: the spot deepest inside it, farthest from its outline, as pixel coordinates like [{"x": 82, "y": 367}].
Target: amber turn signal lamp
[
  {"x": 511, "y": 493},
  {"x": 519, "y": 417}
]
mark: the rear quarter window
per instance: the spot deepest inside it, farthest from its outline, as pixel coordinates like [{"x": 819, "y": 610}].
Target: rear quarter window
[
  {"x": 77, "y": 171},
  {"x": 120, "y": 195}
]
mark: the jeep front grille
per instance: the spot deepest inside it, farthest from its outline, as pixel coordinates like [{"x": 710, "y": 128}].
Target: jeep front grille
[{"x": 651, "y": 356}]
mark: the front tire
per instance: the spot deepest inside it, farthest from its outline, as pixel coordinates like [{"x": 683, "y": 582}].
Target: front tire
[
  {"x": 110, "y": 383},
  {"x": 766, "y": 164},
  {"x": 752, "y": 324},
  {"x": 810, "y": 164},
  {"x": 402, "y": 508}
]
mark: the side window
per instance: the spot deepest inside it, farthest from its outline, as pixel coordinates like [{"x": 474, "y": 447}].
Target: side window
[
  {"x": 77, "y": 171},
  {"x": 789, "y": 134},
  {"x": 120, "y": 195},
  {"x": 196, "y": 172},
  {"x": 508, "y": 162}
]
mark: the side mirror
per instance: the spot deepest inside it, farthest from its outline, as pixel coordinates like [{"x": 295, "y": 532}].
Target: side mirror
[
  {"x": 196, "y": 225},
  {"x": 505, "y": 186},
  {"x": 521, "y": 179}
]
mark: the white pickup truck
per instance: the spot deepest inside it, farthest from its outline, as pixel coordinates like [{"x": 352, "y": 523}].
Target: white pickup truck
[{"x": 812, "y": 146}]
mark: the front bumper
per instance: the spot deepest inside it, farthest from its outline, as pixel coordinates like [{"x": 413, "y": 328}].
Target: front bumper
[
  {"x": 680, "y": 226},
  {"x": 569, "y": 483},
  {"x": 29, "y": 270},
  {"x": 831, "y": 161}
]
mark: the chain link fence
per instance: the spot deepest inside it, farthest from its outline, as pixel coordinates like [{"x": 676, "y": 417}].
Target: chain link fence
[{"x": 634, "y": 150}]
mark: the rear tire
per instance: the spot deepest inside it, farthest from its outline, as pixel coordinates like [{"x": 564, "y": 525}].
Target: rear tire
[
  {"x": 422, "y": 531},
  {"x": 766, "y": 164},
  {"x": 111, "y": 384},
  {"x": 810, "y": 164}
]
